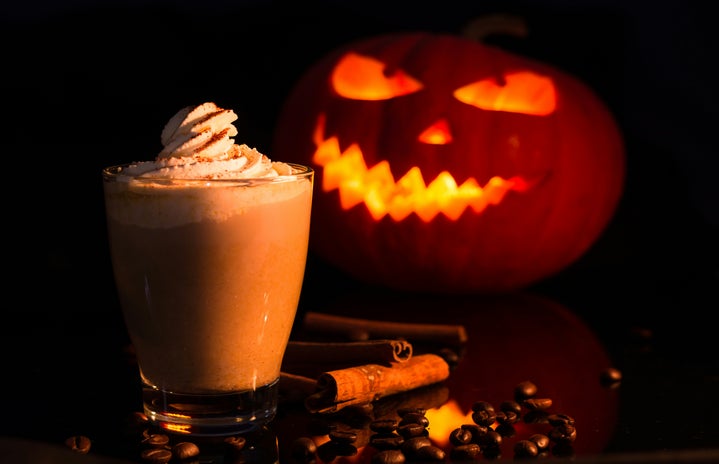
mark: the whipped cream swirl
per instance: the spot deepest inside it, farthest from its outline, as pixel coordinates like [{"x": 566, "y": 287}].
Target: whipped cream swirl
[{"x": 198, "y": 144}]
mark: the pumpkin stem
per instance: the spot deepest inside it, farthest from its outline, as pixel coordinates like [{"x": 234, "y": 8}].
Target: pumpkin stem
[{"x": 504, "y": 24}]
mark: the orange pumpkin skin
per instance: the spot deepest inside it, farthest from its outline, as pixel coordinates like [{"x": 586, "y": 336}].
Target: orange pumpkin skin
[{"x": 568, "y": 160}]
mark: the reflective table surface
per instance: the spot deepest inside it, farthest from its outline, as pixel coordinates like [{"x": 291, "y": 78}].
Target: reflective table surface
[{"x": 72, "y": 373}]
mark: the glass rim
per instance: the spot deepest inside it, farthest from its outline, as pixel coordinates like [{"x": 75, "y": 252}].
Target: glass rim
[{"x": 114, "y": 173}]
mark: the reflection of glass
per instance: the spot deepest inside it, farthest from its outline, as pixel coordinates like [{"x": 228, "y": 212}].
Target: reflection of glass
[{"x": 209, "y": 274}]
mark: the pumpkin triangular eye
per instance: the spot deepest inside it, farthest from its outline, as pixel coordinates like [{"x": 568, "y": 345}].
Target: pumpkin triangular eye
[
  {"x": 361, "y": 77},
  {"x": 521, "y": 92}
]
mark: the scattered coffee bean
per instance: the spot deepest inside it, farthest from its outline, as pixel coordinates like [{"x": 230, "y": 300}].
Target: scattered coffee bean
[
  {"x": 303, "y": 448},
  {"x": 185, "y": 450},
  {"x": 450, "y": 356},
  {"x": 156, "y": 455},
  {"x": 537, "y": 404},
  {"x": 79, "y": 444},
  {"x": 429, "y": 453},
  {"x": 524, "y": 390},
  {"x": 343, "y": 436},
  {"x": 541, "y": 440},
  {"x": 389, "y": 457},
  {"x": 506, "y": 430},
  {"x": 410, "y": 446},
  {"x": 610, "y": 377},
  {"x": 235, "y": 443},
  {"x": 412, "y": 430},
  {"x": 478, "y": 431},
  {"x": 560, "y": 419},
  {"x": 414, "y": 418},
  {"x": 465, "y": 452},
  {"x": 156, "y": 440},
  {"x": 491, "y": 439},
  {"x": 525, "y": 449},
  {"x": 484, "y": 417},
  {"x": 384, "y": 441},
  {"x": 536, "y": 417},
  {"x": 383, "y": 425},
  {"x": 482, "y": 406},
  {"x": 460, "y": 436},
  {"x": 511, "y": 406},
  {"x": 507, "y": 417},
  {"x": 564, "y": 433}
]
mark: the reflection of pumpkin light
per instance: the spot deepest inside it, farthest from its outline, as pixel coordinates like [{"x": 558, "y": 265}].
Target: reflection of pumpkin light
[
  {"x": 377, "y": 188},
  {"x": 444, "y": 419}
]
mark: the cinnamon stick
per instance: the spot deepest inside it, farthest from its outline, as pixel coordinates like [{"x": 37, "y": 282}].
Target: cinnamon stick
[
  {"x": 355, "y": 328},
  {"x": 367, "y": 383},
  {"x": 347, "y": 353}
]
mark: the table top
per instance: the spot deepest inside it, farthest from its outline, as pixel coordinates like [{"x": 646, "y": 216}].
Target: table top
[{"x": 70, "y": 373}]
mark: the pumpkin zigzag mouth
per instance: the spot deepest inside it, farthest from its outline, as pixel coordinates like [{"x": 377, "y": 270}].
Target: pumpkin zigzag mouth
[{"x": 376, "y": 187}]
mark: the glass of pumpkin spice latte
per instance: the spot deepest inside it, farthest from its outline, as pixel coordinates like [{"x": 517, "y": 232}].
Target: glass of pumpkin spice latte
[{"x": 208, "y": 244}]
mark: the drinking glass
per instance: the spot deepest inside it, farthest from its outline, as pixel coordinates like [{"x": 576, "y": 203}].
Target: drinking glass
[{"x": 208, "y": 274}]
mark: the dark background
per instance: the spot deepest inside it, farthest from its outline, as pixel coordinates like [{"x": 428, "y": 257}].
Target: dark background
[{"x": 88, "y": 84}]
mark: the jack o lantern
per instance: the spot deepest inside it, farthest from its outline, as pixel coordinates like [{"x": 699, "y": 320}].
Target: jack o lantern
[{"x": 447, "y": 165}]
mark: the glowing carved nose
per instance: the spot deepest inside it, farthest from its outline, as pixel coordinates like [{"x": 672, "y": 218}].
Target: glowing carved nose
[{"x": 437, "y": 133}]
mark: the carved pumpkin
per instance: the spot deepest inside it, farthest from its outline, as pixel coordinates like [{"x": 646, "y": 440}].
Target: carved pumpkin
[{"x": 447, "y": 165}]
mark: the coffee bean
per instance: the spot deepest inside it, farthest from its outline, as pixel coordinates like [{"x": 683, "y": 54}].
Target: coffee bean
[
  {"x": 412, "y": 430},
  {"x": 410, "y": 446},
  {"x": 482, "y": 406},
  {"x": 389, "y": 457},
  {"x": 564, "y": 433},
  {"x": 535, "y": 404},
  {"x": 414, "y": 418},
  {"x": 450, "y": 357},
  {"x": 506, "y": 430},
  {"x": 536, "y": 417},
  {"x": 383, "y": 425},
  {"x": 524, "y": 390},
  {"x": 383, "y": 441},
  {"x": 429, "y": 453},
  {"x": 610, "y": 377},
  {"x": 156, "y": 440},
  {"x": 343, "y": 436},
  {"x": 525, "y": 449},
  {"x": 79, "y": 444},
  {"x": 511, "y": 406},
  {"x": 460, "y": 436},
  {"x": 478, "y": 431},
  {"x": 560, "y": 419},
  {"x": 491, "y": 439},
  {"x": 541, "y": 440},
  {"x": 235, "y": 443},
  {"x": 156, "y": 455},
  {"x": 465, "y": 452},
  {"x": 484, "y": 417},
  {"x": 185, "y": 450},
  {"x": 507, "y": 417},
  {"x": 303, "y": 448}
]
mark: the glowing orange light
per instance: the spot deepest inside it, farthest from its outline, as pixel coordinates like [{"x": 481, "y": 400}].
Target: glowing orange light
[
  {"x": 437, "y": 134},
  {"x": 444, "y": 419},
  {"x": 376, "y": 186},
  {"x": 176, "y": 428},
  {"x": 521, "y": 92},
  {"x": 363, "y": 78}
]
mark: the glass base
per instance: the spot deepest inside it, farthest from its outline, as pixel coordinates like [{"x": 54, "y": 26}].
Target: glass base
[{"x": 211, "y": 415}]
